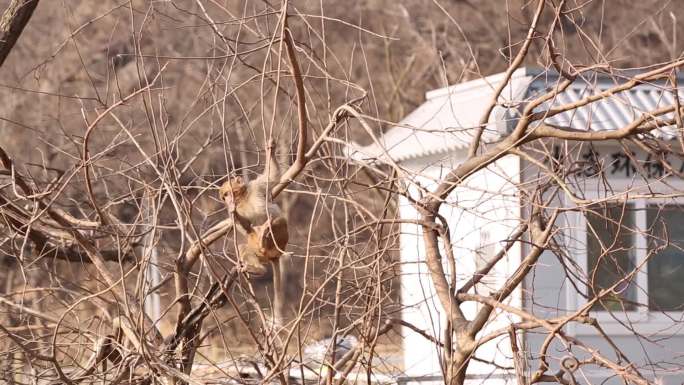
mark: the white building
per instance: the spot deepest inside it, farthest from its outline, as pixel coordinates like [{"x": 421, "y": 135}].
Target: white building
[{"x": 433, "y": 139}]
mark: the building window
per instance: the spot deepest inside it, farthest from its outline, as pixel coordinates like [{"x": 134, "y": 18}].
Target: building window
[
  {"x": 666, "y": 267},
  {"x": 619, "y": 238},
  {"x": 611, "y": 254}
]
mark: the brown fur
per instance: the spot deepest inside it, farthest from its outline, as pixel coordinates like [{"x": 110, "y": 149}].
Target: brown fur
[
  {"x": 264, "y": 244},
  {"x": 260, "y": 220}
]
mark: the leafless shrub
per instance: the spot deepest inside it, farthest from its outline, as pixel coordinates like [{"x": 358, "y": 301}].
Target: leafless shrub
[{"x": 122, "y": 118}]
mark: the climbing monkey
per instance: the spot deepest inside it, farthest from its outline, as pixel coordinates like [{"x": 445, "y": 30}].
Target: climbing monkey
[{"x": 256, "y": 216}]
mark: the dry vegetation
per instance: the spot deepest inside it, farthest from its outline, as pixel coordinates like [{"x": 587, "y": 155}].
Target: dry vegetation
[{"x": 121, "y": 118}]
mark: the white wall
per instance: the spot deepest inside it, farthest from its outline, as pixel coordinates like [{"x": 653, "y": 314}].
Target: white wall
[{"x": 487, "y": 204}]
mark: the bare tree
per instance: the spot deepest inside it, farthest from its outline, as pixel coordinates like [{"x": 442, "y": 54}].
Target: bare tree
[{"x": 136, "y": 113}]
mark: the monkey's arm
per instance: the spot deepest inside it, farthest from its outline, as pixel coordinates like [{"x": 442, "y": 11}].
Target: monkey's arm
[
  {"x": 242, "y": 224},
  {"x": 271, "y": 174}
]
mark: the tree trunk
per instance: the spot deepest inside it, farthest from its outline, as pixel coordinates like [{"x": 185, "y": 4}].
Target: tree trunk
[
  {"x": 13, "y": 21},
  {"x": 456, "y": 368}
]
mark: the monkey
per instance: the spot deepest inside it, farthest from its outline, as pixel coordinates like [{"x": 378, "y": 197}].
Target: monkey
[
  {"x": 260, "y": 219},
  {"x": 263, "y": 223}
]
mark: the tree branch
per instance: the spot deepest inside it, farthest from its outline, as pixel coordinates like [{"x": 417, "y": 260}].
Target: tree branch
[
  {"x": 300, "y": 160},
  {"x": 12, "y": 23},
  {"x": 475, "y": 144}
]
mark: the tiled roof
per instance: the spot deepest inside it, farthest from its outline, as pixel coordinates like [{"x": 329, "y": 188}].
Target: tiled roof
[
  {"x": 611, "y": 113},
  {"x": 446, "y": 121}
]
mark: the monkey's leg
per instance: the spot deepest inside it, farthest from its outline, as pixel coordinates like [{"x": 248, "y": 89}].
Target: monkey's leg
[
  {"x": 273, "y": 238},
  {"x": 280, "y": 233},
  {"x": 270, "y": 252}
]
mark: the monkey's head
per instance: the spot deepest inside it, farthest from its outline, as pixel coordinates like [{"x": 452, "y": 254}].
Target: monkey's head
[{"x": 232, "y": 191}]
